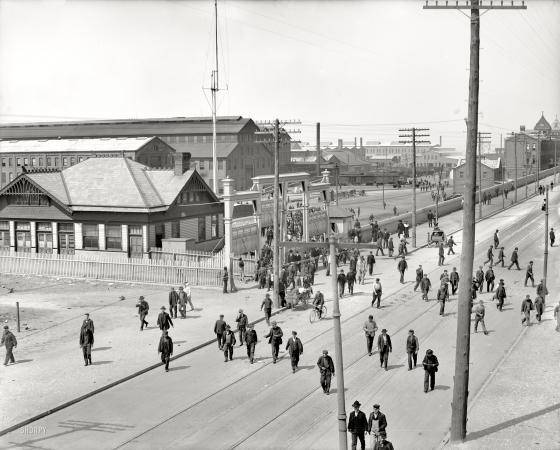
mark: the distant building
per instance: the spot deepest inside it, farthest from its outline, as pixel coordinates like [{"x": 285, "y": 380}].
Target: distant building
[{"x": 491, "y": 171}]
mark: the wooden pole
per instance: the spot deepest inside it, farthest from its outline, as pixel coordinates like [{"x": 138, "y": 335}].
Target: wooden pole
[
  {"x": 318, "y": 149},
  {"x": 414, "y": 188},
  {"x": 545, "y": 246},
  {"x": 276, "y": 228},
  {"x": 515, "y": 155},
  {"x": 339, "y": 366},
  {"x": 538, "y": 165},
  {"x": 462, "y": 353},
  {"x": 479, "y": 177},
  {"x": 17, "y": 316}
]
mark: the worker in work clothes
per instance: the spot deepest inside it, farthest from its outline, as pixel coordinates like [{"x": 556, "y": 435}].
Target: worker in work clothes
[
  {"x": 182, "y": 300},
  {"x": 275, "y": 340},
  {"x": 86, "y": 343},
  {"x": 552, "y": 237},
  {"x": 425, "y": 286},
  {"x": 529, "y": 274},
  {"x": 526, "y": 308},
  {"x": 229, "y": 342},
  {"x": 377, "y": 425},
  {"x": 430, "y": 218},
  {"x": 295, "y": 348},
  {"x": 88, "y": 323},
  {"x": 219, "y": 330},
  {"x": 242, "y": 322},
  {"x": 490, "y": 256},
  {"x": 442, "y": 297},
  {"x": 489, "y": 277},
  {"x": 430, "y": 364},
  {"x": 267, "y": 305},
  {"x": 164, "y": 320},
  {"x": 251, "y": 342},
  {"x": 401, "y": 267},
  {"x": 10, "y": 342},
  {"x": 143, "y": 309},
  {"x": 326, "y": 368},
  {"x": 173, "y": 299},
  {"x": 412, "y": 347},
  {"x": 450, "y": 244},
  {"x": 187, "y": 290},
  {"x": 351, "y": 279},
  {"x": 479, "y": 313},
  {"x": 225, "y": 278},
  {"x": 454, "y": 280},
  {"x": 496, "y": 239},
  {"x": 480, "y": 278},
  {"x": 370, "y": 327},
  {"x": 541, "y": 290},
  {"x": 444, "y": 278},
  {"x": 386, "y": 236},
  {"x": 357, "y": 425},
  {"x": 377, "y": 292},
  {"x": 419, "y": 276},
  {"x": 441, "y": 253},
  {"x": 501, "y": 256},
  {"x": 370, "y": 262},
  {"x": 391, "y": 247},
  {"x": 379, "y": 246},
  {"x": 501, "y": 295},
  {"x": 341, "y": 279},
  {"x": 384, "y": 347},
  {"x": 514, "y": 259},
  {"x": 539, "y": 307},
  {"x": 165, "y": 347}
]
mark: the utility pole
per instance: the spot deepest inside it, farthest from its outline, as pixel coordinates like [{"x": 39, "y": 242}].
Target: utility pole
[
  {"x": 545, "y": 245},
  {"x": 555, "y": 140},
  {"x": 318, "y": 149},
  {"x": 336, "y": 184},
  {"x": 413, "y": 141},
  {"x": 462, "y": 352},
  {"x": 480, "y": 142},
  {"x": 538, "y": 165},
  {"x": 515, "y": 155}
]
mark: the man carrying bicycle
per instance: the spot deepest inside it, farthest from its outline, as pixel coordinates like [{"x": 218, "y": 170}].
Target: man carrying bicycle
[{"x": 318, "y": 303}]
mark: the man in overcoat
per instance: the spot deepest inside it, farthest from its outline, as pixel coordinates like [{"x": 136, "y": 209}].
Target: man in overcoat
[
  {"x": 165, "y": 347},
  {"x": 412, "y": 348},
  {"x": 251, "y": 342},
  {"x": 242, "y": 322},
  {"x": 229, "y": 342},
  {"x": 526, "y": 308},
  {"x": 425, "y": 286},
  {"x": 401, "y": 267},
  {"x": 86, "y": 343},
  {"x": 454, "y": 280},
  {"x": 275, "y": 340},
  {"x": 295, "y": 348},
  {"x": 529, "y": 274},
  {"x": 10, "y": 342},
  {"x": 326, "y": 367},
  {"x": 164, "y": 320},
  {"x": 358, "y": 426},
  {"x": 173, "y": 300},
  {"x": 219, "y": 330},
  {"x": 384, "y": 347},
  {"x": 377, "y": 426},
  {"x": 514, "y": 259},
  {"x": 430, "y": 364}
]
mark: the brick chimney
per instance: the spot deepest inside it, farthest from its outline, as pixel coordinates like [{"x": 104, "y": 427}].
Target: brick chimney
[
  {"x": 361, "y": 143},
  {"x": 355, "y": 141},
  {"x": 182, "y": 163},
  {"x": 340, "y": 144}
]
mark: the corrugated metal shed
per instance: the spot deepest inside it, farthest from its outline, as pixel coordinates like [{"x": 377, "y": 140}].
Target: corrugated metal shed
[{"x": 75, "y": 145}]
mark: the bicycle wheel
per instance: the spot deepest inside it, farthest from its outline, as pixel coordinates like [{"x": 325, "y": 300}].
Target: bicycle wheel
[
  {"x": 312, "y": 316},
  {"x": 323, "y": 312}
]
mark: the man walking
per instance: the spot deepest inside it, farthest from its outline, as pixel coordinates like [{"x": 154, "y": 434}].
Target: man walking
[
  {"x": 480, "y": 312},
  {"x": 143, "y": 309},
  {"x": 441, "y": 254},
  {"x": 539, "y": 307},
  {"x": 489, "y": 277},
  {"x": 552, "y": 237},
  {"x": 242, "y": 322},
  {"x": 241, "y": 265},
  {"x": 496, "y": 239},
  {"x": 370, "y": 327},
  {"x": 10, "y": 342},
  {"x": 541, "y": 290},
  {"x": 377, "y": 291},
  {"x": 490, "y": 256},
  {"x": 165, "y": 347},
  {"x": 501, "y": 256},
  {"x": 391, "y": 247},
  {"x": 182, "y": 299},
  {"x": 229, "y": 342},
  {"x": 386, "y": 236},
  {"x": 480, "y": 278},
  {"x": 219, "y": 330},
  {"x": 164, "y": 320},
  {"x": 173, "y": 299},
  {"x": 275, "y": 340},
  {"x": 454, "y": 280},
  {"x": 384, "y": 347},
  {"x": 326, "y": 368},
  {"x": 425, "y": 286},
  {"x": 377, "y": 424},
  {"x": 225, "y": 278},
  {"x": 341, "y": 278},
  {"x": 86, "y": 343},
  {"x": 430, "y": 364},
  {"x": 267, "y": 305},
  {"x": 412, "y": 348},
  {"x": 358, "y": 425},
  {"x": 529, "y": 274},
  {"x": 430, "y": 218},
  {"x": 514, "y": 259},
  {"x": 442, "y": 298},
  {"x": 370, "y": 262},
  {"x": 351, "y": 279},
  {"x": 379, "y": 246},
  {"x": 251, "y": 342},
  {"x": 419, "y": 276},
  {"x": 450, "y": 244},
  {"x": 501, "y": 295},
  {"x": 401, "y": 267},
  {"x": 526, "y": 308},
  {"x": 295, "y": 348},
  {"x": 88, "y": 323},
  {"x": 187, "y": 290}
]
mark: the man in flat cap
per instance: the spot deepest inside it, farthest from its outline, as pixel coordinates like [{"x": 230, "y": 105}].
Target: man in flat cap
[
  {"x": 377, "y": 423},
  {"x": 275, "y": 340},
  {"x": 357, "y": 425},
  {"x": 412, "y": 348},
  {"x": 526, "y": 308},
  {"x": 86, "y": 342},
  {"x": 10, "y": 341},
  {"x": 480, "y": 312},
  {"x": 326, "y": 367},
  {"x": 143, "y": 309},
  {"x": 88, "y": 323},
  {"x": 251, "y": 342},
  {"x": 219, "y": 330},
  {"x": 501, "y": 295},
  {"x": 242, "y": 322},
  {"x": 385, "y": 347},
  {"x": 229, "y": 342},
  {"x": 173, "y": 300},
  {"x": 529, "y": 274},
  {"x": 164, "y": 320},
  {"x": 295, "y": 348},
  {"x": 165, "y": 347},
  {"x": 430, "y": 364},
  {"x": 267, "y": 305}
]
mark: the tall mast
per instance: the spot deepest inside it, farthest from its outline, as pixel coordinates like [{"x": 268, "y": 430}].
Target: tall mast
[{"x": 214, "y": 104}]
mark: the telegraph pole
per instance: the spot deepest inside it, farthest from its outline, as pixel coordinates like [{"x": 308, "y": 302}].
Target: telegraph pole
[
  {"x": 462, "y": 353},
  {"x": 413, "y": 141},
  {"x": 480, "y": 142},
  {"x": 318, "y": 149},
  {"x": 545, "y": 245},
  {"x": 537, "y": 176},
  {"x": 515, "y": 154}
]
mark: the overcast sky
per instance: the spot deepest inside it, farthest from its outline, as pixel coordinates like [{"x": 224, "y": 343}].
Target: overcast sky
[{"x": 362, "y": 69}]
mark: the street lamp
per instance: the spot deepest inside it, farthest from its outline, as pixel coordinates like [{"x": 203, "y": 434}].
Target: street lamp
[{"x": 336, "y": 184}]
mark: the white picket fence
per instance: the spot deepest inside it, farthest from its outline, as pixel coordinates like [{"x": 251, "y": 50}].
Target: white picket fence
[{"x": 191, "y": 258}]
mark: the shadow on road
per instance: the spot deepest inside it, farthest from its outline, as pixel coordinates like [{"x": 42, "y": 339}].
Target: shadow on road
[{"x": 99, "y": 349}]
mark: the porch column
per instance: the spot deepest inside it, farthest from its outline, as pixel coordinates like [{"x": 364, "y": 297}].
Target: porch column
[
  {"x": 144, "y": 238},
  {"x": 78, "y": 236},
  {"x": 12, "y": 236},
  {"x": 102, "y": 237},
  {"x": 228, "y": 216},
  {"x": 55, "y": 237},
  {"x": 124, "y": 238},
  {"x": 33, "y": 237}
]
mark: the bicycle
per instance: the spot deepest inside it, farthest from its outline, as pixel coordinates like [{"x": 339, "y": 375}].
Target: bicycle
[{"x": 314, "y": 316}]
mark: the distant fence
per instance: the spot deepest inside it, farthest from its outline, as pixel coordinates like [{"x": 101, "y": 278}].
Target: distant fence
[
  {"x": 134, "y": 270},
  {"x": 191, "y": 258}
]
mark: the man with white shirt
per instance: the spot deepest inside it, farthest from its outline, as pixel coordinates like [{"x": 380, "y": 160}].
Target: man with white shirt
[
  {"x": 187, "y": 290},
  {"x": 370, "y": 327}
]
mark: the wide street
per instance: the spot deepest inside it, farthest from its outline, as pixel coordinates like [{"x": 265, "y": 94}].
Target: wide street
[{"x": 205, "y": 403}]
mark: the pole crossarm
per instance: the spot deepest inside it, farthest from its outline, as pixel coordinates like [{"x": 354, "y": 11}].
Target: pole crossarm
[{"x": 470, "y": 5}]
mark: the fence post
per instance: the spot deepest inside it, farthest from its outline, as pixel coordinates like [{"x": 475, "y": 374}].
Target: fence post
[{"x": 17, "y": 316}]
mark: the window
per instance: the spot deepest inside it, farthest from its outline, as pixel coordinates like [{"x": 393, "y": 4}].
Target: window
[
  {"x": 204, "y": 139},
  {"x": 56, "y": 162},
  {"x": 214, "y": 226},
  {"x": 461, "y": 174},
  {"x": 3, "y": 177},
  {"x": 10, "y": 162},
  {"x": 64, "y": 162},
  {"x": 201, "y": 164},
  {"x": 220, "y": 190},
  {"x": 201, "y": 228},
  {"x": 18, "y": 161},
  {"x": 72, "y": 161},
  {"x": 211, "y": 165},
  {"x": 25, "y": 161},
  {"x": 220, "y": 165},
  {"x": 181, "y": 138},
  {"x": 91, "y": 236},
  {"x": 80, "y": 159},
  {"x": 483, "y": 175},
  {"x": 114, "y": 238},
  {"x": 3, "y": 162},
  {"x": 40, "y": 162},
  {"x": 135, "y": 229},
  {"x": 11, "y": 177},
  {"x": 175, "y": 230},
  {"x": 33, "y": 161},
  {"x": 4, "y": 235},
  {"x": 195, "y": 139}
]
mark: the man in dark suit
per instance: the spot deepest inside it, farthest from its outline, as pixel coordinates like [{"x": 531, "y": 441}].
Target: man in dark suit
[
  {"x": 419, "y": 276},
  {"x": 242, "y": 322},
  {"x": 275, "y": 340},
  {"x": 501, "y": 256},
  {"x": 454, "y": 280},
  {"x": 88, "y": 323},
  {"x": 490, "y": 277},
  {"x": 401, "y": 267},
  {"x": 341, "y": 278},
  {"x": 490, "y": 256},
  {"x": 412, "y": 347},
  {"x": 370, "y": 262},
  {"x": 86, "y": 342},
  {"x": 430, "y": 364},
  {"x": 295, "y": 347},
  {"x": 385, "y": 347},
  {"x": 326, "y": 366},
  {"x": 425, "y": 286},
  {"x": 514, "y": 259},
  {"x": 529, "y": 274},
  {"x": 501, "y": 295},
  {"x": 351, "y": 279},
  {"x": 164, "y": 320},
  {"x": 173, "y": 299},
  {"x": 251, "y": 341},
  {"x": 143, "y": 308},
  {"x": 377, "y": 425},
  {"x": 165, "y": 347},
  {"x": 219, "y": 330},
  {"x": 357, "y": 425}
]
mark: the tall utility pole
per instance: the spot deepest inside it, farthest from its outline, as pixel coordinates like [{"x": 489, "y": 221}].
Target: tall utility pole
[
  {"x": 538, "y": 165},
  {"x": 515, "y": 155},
  {"x": 545, "y": 245},
  {"x": 215, "y": 88},
  {"x": 480, "y": 142},
  {"x": 318, "y": 149},
  {"x": 413, "y": 135},
  {"x": 462, "y": 352}
]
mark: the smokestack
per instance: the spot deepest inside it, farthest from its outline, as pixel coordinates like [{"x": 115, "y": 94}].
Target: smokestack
[
  {"x": 182, "y": 163},
  {"x": 440, "y": 141},
  {"x": 340, "y": 144},
  {"x": 361, "y": 143},
  {"x": 355, "y": 142}
]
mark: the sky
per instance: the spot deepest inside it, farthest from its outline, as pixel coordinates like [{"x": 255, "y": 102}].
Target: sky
[{"x": 360, "y": 68}]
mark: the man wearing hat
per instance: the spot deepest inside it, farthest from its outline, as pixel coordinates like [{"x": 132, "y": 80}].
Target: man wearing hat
[
  {"x": 496, "y": 239},
  {"x": 514, "y": 259},
  {"x": 441, "y": 253},
  {"x": 384, "y": 444},
  {"x": 143, "y": 309},
  {"x": 187, "y": 289},
  {"x": 377, "y": 292},
  {"x": 450, "y": 244},
  {"x": 242, "y": 322},
  {"x": 501, "y": 295},
  {"x": 490, "y": 256},
  {"x": 425, "y": 286},
  {"x": 442, "y": 297},
  {"x": 430, "y": 364},
  {"x": 501, "y": 256},
  {"x": 412, "y": 347},
  {"x": 219, "y": 330},
  {"x": 370, "y": 262},
  {"x": 419, "y": 276},
  {"x": 539, "y": 307},
  {"x": 275, "y": 340},
  {"x": 370, "y": 327},
  {"x": 480, "y": 312},
  {"x": 267, "y": 305},
  {"x": 164, "y": 320},
  {"x": 341, "y": 278},
  {"x": 480, "y": 278},
  {"x": 326, "y": 367},
  {"x": 541, "y": 290},
  {"x": 182, "y": 300},
  {"x": 385, "y": 347},
  {"x": 295, "y": 348},
  {"x": 377, "y": 423},
  {"x": 241, "y": 269},
  {"x": 10, "y": 341},
  {"x": 165, "y": 347},
  {"x": 401, "y": 267},
  {"x": 529, "y": 274},
  {"x": 251, "y": 342},
  {"x": 86, "y": 342},
  {"x": 318, "y": 303},
  {"x": 552, "y": 237},
  {"x": 173, "y": 300},
  {"x": 88, "y": 323},
  {"x": 454, "y": 280},
  {"x": 526, "y": 308},
  {"x": 357, "y": 425},
  {"x": 490, "y": 277},
  {"x": 229, "y": 342}
]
